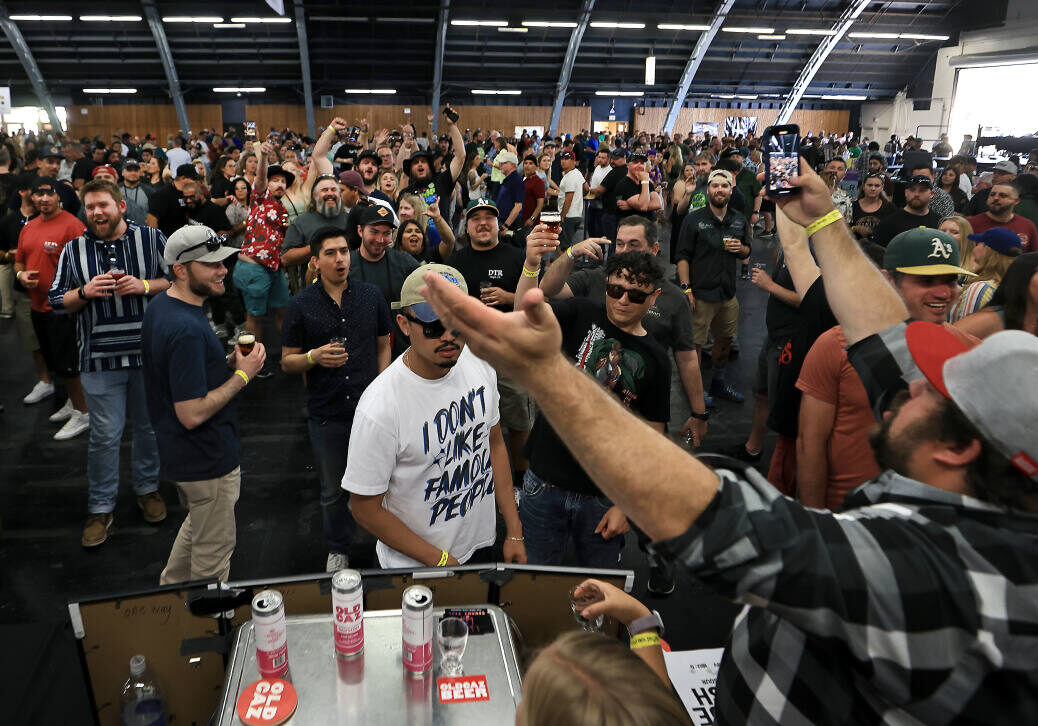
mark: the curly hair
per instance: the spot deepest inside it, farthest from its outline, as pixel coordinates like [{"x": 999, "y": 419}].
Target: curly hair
[{"x": 639, "y": 267}]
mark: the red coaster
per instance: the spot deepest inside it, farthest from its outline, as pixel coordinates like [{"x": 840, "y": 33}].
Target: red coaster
[
  {"x": 268, "y": 701},
  {"x": 462, "y": 689}
]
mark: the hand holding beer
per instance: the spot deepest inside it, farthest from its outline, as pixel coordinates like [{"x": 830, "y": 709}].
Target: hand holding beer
[
  {"x": 540, "y": 242},
  {"x": 733, "y": 245},
  {"x": 127, "y": 284},
  {"x": 330, "y": 355},
  {"x": 250, "y": 355},
  {"x": 100, "y": 286}
]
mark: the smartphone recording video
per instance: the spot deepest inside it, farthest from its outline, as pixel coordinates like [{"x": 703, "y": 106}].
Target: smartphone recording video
[{"x": 781, "y": 146}]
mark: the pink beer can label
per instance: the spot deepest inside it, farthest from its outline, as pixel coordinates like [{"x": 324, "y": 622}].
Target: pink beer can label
[
  {"x": 349, "y": 628},
  {"x": 272, "y": 649},
  {"x": 417, "y": 641}
]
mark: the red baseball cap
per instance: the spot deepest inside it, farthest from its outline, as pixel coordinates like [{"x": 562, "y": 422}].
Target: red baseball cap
[
  {"x": 104, "y": 168},
  {"x": 931, "y": 346}
]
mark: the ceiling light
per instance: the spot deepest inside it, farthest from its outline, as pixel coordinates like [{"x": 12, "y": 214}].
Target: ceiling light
[
  {"x": 228, "y": 25},
  {"x": 650, "y": 70},
  {"x": 673, "y": 26},
  {"x": 810, "y": 31},
  {"x": 247, "y": 89},
  {"x": 749, "y": 97},
  {"x": 513, "y": 30},
  {"x": 604, "y": 24},
  {"x": 396, "y": 20},
  {"x": 619, "y": 93},
  {"x": 377, "y": 91},
  {"x": 845, "y": 97},
  {"x": 549, "y": 24},
  {"x": 271, "y": 19},
  {"x": 110, "y": 18},
  {"x": 489, "y": 23},
  {"x": 40, "y": 17},
  {"x": 918, "y": 36},
  {"x": 722, "y": 95},
  {"x": 740, "y": 29},
  {"x": 892, "y": 36},
  {"x": 192, "y": 19},
  {"x": 109, "y": 90},
  {"x": 771, "y": 37},
  {"x": 493, "y": 92},
  {"x": 895, "y": 36}
]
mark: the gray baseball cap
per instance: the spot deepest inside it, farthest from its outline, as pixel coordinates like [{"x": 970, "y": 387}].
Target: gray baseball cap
[
  {"x": 985, "y": 383},
  {"x": 196, "y": 243}
]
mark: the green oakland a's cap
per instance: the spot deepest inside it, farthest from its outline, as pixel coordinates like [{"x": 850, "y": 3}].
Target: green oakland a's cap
[
  {"x": 924, "y": 251},
  {"x": 480, "y": 203}
]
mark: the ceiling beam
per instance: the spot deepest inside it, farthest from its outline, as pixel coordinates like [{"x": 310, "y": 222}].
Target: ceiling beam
[
  {"x": 826, "y": 47},
  {"x": 694, "y": 61},
  {"x": 567, "y": 65},
  {"x": 441, "y": 43},
  {"x": 151, "y": 13},
  {"x": 14, "y": 36},
  {"x": 304, "y": 62}
]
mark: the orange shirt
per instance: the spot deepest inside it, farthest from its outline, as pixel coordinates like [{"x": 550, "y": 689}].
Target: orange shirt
[{"x": 39, "y": 246}]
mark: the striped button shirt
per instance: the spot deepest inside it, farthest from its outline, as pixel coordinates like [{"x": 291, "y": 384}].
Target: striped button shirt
[
  {"x": 913, "y": 605},
  {"x": 109, "y": 328}
]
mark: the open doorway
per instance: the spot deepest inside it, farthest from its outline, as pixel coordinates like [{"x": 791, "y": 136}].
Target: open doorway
[{"x": 609, "y": 127}]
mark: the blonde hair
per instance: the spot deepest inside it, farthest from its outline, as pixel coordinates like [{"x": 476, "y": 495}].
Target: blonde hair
[
  {"x": 966, "y": 245},
  {"x": 585, "y": 678},
  {"x": 421, "y": 210},
  {"x": 993, "y": 267}
]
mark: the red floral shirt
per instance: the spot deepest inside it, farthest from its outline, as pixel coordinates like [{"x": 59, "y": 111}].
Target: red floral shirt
[{"x": 265, "y": 230}]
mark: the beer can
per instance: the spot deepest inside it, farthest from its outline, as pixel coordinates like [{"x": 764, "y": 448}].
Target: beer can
[
  {"x": 416, "y": 613},
  {"x": 348, "y": 613},
  {"x": 271, "y": 633}
]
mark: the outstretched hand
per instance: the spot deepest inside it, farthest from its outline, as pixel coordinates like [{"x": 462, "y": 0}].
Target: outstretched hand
[{"x": 523, "y": 344}]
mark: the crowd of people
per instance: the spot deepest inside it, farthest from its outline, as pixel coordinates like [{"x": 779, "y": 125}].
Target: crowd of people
[{"x": 147, "y": 277}]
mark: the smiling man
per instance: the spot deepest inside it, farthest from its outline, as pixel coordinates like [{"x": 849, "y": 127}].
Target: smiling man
[{"x": 191, "y": 385}]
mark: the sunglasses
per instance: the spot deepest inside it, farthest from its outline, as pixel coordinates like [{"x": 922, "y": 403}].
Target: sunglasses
[
  {"x": 432, "y": 330},
  {"x": 633, "y": 294},
  {"x": 212, "y": 244}
]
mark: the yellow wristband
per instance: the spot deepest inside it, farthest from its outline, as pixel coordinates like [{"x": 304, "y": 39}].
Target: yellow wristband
[
  {"x": 530, "y": 273},
  {"x": 644, "y": 640},
  {"x": 443, "y": 558},
  {"x": 243, "y": 375},
  {"x": 310, "y": 358},
  {"x": 147, "y": 287},
  {"x": 833, "y": 216}
]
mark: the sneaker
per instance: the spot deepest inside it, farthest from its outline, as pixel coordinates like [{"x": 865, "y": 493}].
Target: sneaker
[
  {"x": 76, "y": 424},
  {"x": 39, "y": 392},
  {"x": 661, "y": 581},
  {"x": 265, "y": 373},
  {"x": 725, "y": 391},
  {"x": 6, "y": 316},
  {"x": 740, "y": 452},
  {"x": 336, "y": 561},
  {"x": 62, "y": 414},
  {"x": 95, "y": 531},
  {"x": 152, "y": 506}
]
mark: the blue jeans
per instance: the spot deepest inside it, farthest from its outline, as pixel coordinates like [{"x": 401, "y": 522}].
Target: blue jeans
[
  {"x": 551, "y": 516},
  {"x": 330, "y": 441},
  {"x": 110, "y": 396}
]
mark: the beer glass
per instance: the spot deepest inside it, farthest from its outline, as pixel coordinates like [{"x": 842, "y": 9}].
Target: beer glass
[
  {"x": 577, "y": 605},
  {"x": 552, "y": 218},
  {"x": 452, "y": 635},
  {"x": 246, "y": 341}
]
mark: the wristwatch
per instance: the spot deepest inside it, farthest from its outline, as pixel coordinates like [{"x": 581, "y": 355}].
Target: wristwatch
[
  {"x": 685, "y": 287},
  {"x": 82, "y": 294},
  {"x": 705, "y": 416},
  {"x": 649, "y": 622}
]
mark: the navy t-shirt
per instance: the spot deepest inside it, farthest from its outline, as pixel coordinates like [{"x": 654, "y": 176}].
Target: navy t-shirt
[
  {"x": 184, "y": 360},
  {"x": 512, "y": 192}
]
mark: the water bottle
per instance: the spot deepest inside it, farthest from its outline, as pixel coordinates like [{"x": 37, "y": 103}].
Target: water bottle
[{"x": 141, "y": 700}]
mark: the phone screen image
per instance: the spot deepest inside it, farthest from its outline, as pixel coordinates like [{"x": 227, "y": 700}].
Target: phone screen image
[{"x": 783, "y": 160}]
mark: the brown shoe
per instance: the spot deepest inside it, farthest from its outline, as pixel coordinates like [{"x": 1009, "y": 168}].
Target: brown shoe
[
  {"x": 95, "y": 531},
  {"x": 152, "y": 506}
]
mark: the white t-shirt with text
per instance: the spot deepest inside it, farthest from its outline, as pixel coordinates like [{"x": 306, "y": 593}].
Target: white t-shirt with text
[{"x": 572, "y": 181}]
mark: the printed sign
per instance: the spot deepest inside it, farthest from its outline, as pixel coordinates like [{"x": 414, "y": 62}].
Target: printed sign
[
  {"x": 694, "y": 675},
  {"x": 462, "y": 689},
  {"x": 269, "y": 701},
  {"x": 5, "y": 99}
]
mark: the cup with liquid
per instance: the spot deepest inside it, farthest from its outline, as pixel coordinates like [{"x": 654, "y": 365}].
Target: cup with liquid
[
  {"x": 589, "y": 595},
  {"x": 246, "y": 342},
  {"x": 338, "y": 340},
  {"x": 552, "y": 219}
]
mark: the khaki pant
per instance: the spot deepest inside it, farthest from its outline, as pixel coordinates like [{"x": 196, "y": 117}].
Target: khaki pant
[
  {"x": 206, "y": 539},
  {"x": 7, "y": 288}
]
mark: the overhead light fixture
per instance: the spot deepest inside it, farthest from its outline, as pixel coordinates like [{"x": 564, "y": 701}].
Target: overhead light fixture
[
  {"x": 810, "y": 31},
  {"x": 771, "y": 37},
  {"x": 109, "y": 90},
  {"x": 110, "y": 18},
  {"x": 878, "y": 36},
  {"x": 919, "y": 36},
  {"x": 619, "y": 93},
  {"x": 549, "y": 24},
  {"x": 610, "y": 24},
  {"x": 40, "y": 17},
  {"x": 488, "y": 23},
  {"x": 192, "y": 19},
  {"x": 270, "y": 19},
  {"x": 376, "y": 91},
  {"x": 228, "y": 25},
  {"x": 895, "y": 36},
  {"x": 495, "y": 92},
  {"x": 835, "y": 97},
  {"x": 725, "y": 96},
  {"x": 676, "y": 26},
  {"x": 747, "y": 97},
  {"x": 513, "y": 30},
  {"x": 650, "y": 70},
  {"x": 741, "y": 29},
  {"x": 245, "y": 89}
]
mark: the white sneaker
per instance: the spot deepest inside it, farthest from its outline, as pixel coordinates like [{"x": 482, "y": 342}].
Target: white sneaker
[
  {"x": 39, "y": 392},
  {"x": 336, "y": 561},
  {"x": 62, "y": 414},
  {"x": 77, "y": 424}
]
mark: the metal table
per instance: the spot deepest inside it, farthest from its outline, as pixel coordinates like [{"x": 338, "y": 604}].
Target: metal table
[{"x": 373, "y": 689}]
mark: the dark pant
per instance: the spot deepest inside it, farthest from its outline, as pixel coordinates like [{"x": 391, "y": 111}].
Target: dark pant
[
  {"x": 56, "y": 333},
  {"x": 570, "y": 225},
  {"x": 230, "y": 303},
  {"x": 330, "y": 441},
  {"x": 593, "y": 225},
  {"x": 552, "y": 516}
]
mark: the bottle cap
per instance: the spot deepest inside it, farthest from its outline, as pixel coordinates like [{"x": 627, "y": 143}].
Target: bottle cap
[{"x": 137, "y": 665}]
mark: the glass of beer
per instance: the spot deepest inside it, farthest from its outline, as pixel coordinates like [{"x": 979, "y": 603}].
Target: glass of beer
[
  {"x": 552, "y": 218},
  {"x": 484, "y": 285},
  {"x": 732, "y": 244},
  {"x": 246, "y": 341},
  {"x": 588, "y": 596}
]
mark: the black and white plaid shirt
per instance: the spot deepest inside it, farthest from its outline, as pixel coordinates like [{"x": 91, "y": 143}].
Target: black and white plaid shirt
[{"x": 914, "y": 605}]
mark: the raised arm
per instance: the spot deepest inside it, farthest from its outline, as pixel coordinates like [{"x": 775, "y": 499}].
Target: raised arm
[
  {"x": 458, "y": 144},
  {"x": 260, "y": 185}
]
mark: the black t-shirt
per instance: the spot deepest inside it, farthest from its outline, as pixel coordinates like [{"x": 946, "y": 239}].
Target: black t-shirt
[
  {"x": 781, "y": 319},
  {"x": 83, "y": 168},
  {"x": 211, "y": 216},
  {"x": 701, "y": 243},
  {"x": 901, "y": 221},
  {"x": 501, "y": 266},
  {"x": 184, "y": 360},
  {"x": 69, "y": 199},
  {"x": 627, "y": 188},
  {"x": 168, "y": 206},
  {"x": 870, "y": 219},
  {"x": 441, "y": 185},
  {"x": 221, "y": 187},
  {"x": 635, "y": 369},
  {"x": 7, "y": 183},
  {"x": 609, "y": 184},
  {"x": 10, "y": 228}
]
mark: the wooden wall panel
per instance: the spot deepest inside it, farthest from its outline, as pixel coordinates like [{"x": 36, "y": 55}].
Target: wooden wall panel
[
  {"x": 651, "y": 121},
  {"x": 160, "y": 121}
]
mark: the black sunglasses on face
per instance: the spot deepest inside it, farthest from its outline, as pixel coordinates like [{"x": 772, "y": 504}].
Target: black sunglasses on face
[
  {"x": 635, "y": 295},
  {"x": 432, "y": 330},
  {"x": 212, "y": 244}
]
